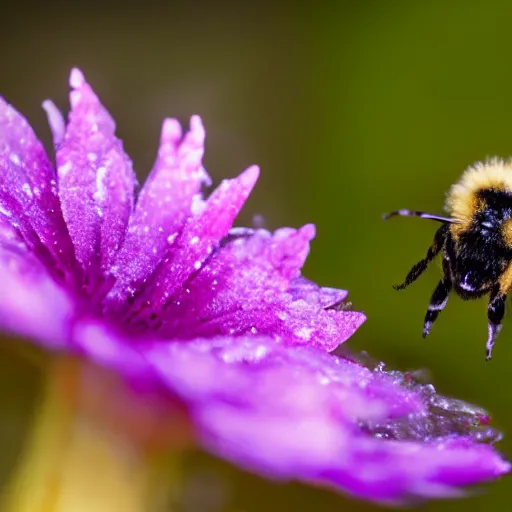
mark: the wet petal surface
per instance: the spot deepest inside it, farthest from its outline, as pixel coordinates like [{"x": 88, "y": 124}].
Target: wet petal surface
[
  {"x": 96, "y": 180},
  {"x": 316, "y": 426},
  {"x": 253, "y": 285},
  {"x": 28, "y": 192},
  {"x": 166, "y": 201}
]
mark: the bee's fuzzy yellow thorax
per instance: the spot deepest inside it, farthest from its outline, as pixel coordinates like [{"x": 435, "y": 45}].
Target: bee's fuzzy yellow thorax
[{"x": 463, "y": 202}]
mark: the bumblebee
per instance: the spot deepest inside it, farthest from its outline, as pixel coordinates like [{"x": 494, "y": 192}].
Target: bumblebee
[{"x": 475, "y": 241}]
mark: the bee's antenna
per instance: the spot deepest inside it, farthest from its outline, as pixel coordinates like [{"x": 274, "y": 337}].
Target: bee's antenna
[{"x": 422, "y": 215}]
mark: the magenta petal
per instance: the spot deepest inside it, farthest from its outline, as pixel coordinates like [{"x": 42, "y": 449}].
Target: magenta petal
[
  {"x": 300, "y": 414},
  {"x": 201, "y": 234},
  {"x": 28, "y": 191},
  {"x": 10, "y": 237},
  {"x": 100, "y": 343},
  {"x": 396, "y": 472},
  {"x": 31, "y": 304},
  {"x": 56, "y": 121},
  {"x": 253, "y": 285},
  {"x": 96, "y": 179},
  {"x": 163, "y": 206},
  {"x": 323, "y": 297}
]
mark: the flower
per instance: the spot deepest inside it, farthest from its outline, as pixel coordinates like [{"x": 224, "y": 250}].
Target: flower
[{"x": 162, "y": 288}]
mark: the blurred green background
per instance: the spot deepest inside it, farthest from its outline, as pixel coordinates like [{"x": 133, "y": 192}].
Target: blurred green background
[{"x": 350, "y": 111}]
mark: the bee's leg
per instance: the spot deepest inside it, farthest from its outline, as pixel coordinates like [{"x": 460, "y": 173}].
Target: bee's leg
[
  {"x": 439, "y": 298},
  {"x": 495, "y": 312},
  {"x": 421, "y": 266}
]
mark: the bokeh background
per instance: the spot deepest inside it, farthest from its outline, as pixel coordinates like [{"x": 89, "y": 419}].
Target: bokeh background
[{"x": 351, "y": 110}]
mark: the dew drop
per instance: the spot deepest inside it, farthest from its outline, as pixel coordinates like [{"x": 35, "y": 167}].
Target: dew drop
[
  {"x": 64, "y": 169},
  {"x": 26, "y": 188},
  {"x": 14, "y": 158}
]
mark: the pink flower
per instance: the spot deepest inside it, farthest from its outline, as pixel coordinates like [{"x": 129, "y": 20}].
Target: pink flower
[{"x": 160, "y": 287}]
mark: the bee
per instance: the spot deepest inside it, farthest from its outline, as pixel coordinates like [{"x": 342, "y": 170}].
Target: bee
[{"x": 475, "y": 240}]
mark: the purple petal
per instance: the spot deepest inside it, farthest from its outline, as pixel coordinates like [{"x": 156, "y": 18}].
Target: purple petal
[
  {"x": 395, "y": 472},
  {"x": 28, "y": 192},
  {"x": 31, "y": 303},
  {"x": 10, "y": 237},
  {"x": 95, "y": 340},
  {"x": 253, "y": 285},
  {"x": 55, "y": 121},
  {"x": 96, "y": 179},
  {"x": 323, "y": 297},
  {"x": 300, "y": 414},
  {"x": 163, "y": 206},
  {"x": 201, "y": 234}
]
